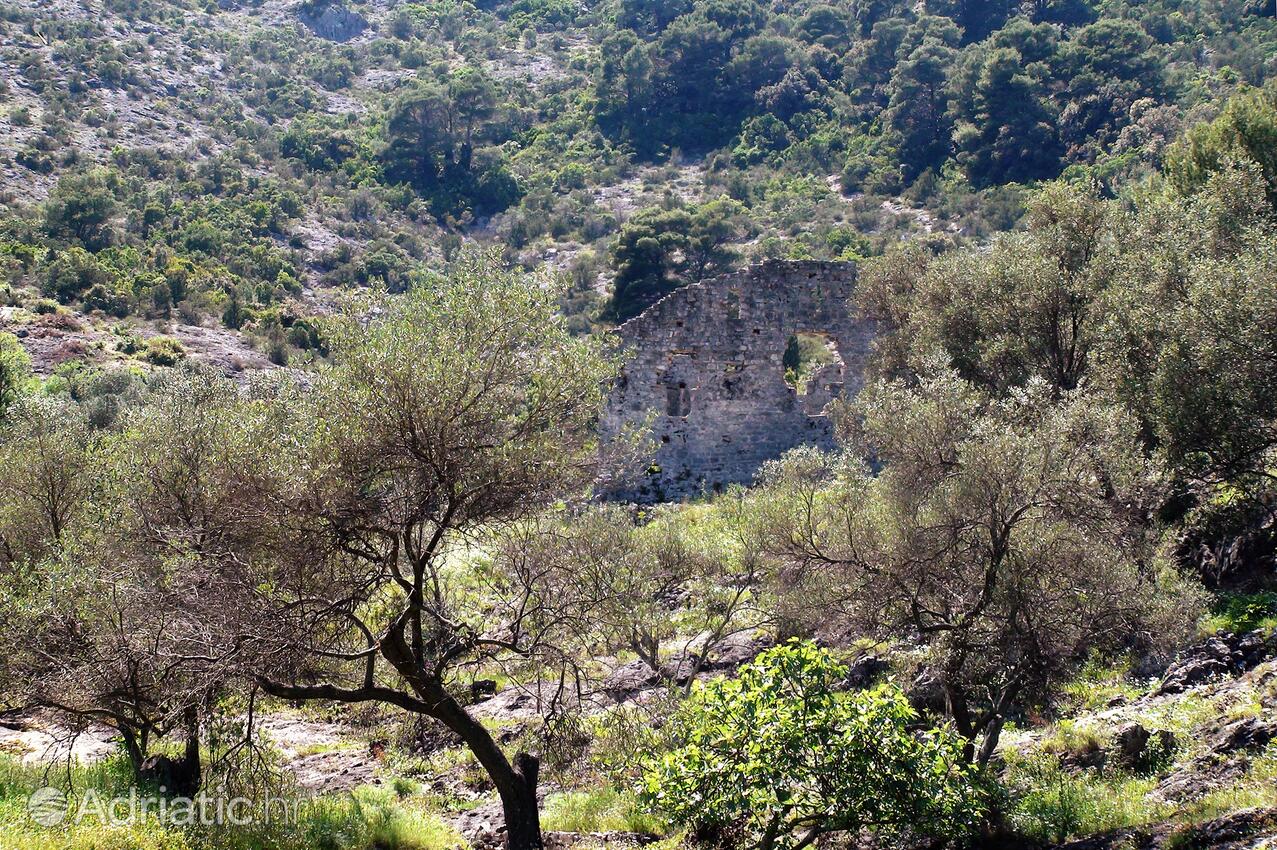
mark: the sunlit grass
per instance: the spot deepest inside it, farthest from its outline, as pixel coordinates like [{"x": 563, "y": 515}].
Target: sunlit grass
[
  {"x": 602, "y": 810},
  {"x": 1258, "y": 788},
  {"x": 1242, "y": 612},
  {"x": 1097, "y": 684},
  {"x": 1049, "y": 803},
  {"x": 391, "y": 818}
]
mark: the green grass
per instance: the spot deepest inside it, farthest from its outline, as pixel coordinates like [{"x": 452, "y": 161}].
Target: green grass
[
  {"x": 1181, "y": 716},
  {"x": 1242, "y": 612},
  {"x": 392, "y": 818},
  {"x": 1096, "y": 684},
  {"x": 1069, "y": 737},
  {"x": 1258, "y": 788},
  {"x": 601, "y": 810},
  {"x": 1050, "y": 804}
]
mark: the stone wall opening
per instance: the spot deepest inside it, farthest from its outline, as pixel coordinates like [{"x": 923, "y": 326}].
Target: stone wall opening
[
  {"x": 678, "y": 399},
  {"x": 806, "y": 354}
]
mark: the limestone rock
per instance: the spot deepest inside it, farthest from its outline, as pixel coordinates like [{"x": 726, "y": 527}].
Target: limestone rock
[
  {"x": 1201, "y": 776},
  {"x": 865, "y": 671},
  {"x": 331, "y": 21},
  {"x": 735, "y": 650},
  {"x": 1220, "y": 655},
  {"x": 1135, "y": 747},
  {"x": 925, "y": 692},
  {"x": 629, "y": 679},
  {"x": 1249, "y": 733},
  {"x": 1129, "y": 743}
]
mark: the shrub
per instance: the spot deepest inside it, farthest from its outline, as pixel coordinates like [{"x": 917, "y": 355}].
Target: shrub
[
  {"x": 15, "y": 371},
  {"x": 1243, "y": 612},
  {"x": 780, "y": 757},
  {"x": 164, "y": 351}
]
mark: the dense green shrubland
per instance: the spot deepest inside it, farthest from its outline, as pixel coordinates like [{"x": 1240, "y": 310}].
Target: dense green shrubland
[{"x": 946, "y": 103}]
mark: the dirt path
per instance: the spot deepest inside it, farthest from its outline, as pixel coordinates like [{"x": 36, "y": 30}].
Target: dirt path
[{"x": 324, "y": 758}]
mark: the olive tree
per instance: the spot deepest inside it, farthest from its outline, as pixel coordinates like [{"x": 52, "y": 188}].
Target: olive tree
[
  {"x": 451, "y": 415},
  {"x": 1028, "y": 305},
  {"x": 44, "y": 476},
  {"x": 15, "y": 372},
  {"x": 1004, "y": 536},
  {"x": 44, "y": 484},
  {"x": 124, "y": 532},
  {"x": 675, "y": 583},
  {"x": 1214, "y": 389}
]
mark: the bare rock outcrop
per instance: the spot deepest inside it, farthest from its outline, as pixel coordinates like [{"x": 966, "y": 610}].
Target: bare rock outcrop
[{"x": 331, "y": 21}]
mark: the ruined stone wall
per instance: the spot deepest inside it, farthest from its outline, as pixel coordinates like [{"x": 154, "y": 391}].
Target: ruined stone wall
[{"x": 706, "y": 360}]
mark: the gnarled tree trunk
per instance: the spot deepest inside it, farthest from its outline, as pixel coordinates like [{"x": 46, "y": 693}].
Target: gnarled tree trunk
[{"x": 516, "y": 782}]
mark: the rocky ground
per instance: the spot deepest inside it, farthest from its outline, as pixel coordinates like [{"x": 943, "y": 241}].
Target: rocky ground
[
  {"x": 53, "y": 339},
  {"x": 1249, "y": 829},
  {"x": 323, "y": 758},
  {"x": 1219, "y": 696},
  {"x": 1214, "y": 712}
]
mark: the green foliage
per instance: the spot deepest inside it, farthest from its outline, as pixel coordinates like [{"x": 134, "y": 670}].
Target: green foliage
[
  {"x": 73, "y": 273},
  {"x": 660, "y": 249},
  {"x": 1165, "y": 308},
  {"x": 1215, "y": 395},
  {"x": 1053, "y": 804},
  {"x": 81, "y": 207},
  {"x": 781, "y": 756},
  {"x": 1242, "y": 612},
  {"x": 15, "y": 373},
  {"x": 1025, "y": 308},
  {"x": 804, "y": 354},
  {"x": 164, "y": 351},
  {"x": 431, "y": 135},
  {"x": 1008, "y": 133},
  {"x": 978, "y": 504},
  {"x": 1097, "y": 683},
  {"x": 1246, "y": 131},
  {"x": 918, "y": 109}
]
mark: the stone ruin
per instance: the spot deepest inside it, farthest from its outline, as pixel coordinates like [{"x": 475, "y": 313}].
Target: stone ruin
[{"x": 706, "y": 363}]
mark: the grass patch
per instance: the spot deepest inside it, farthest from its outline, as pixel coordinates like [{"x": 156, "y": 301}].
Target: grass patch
[
  {"x": 1242, "y": 612},
  {"x": 1181, "y": 717},
  {"x": 601, "y": 810},
  {"x": 1050, "y": 804},
  {"x": 1069, "y": 737},
  {"x": 1097, "y": 684},
  {"x": 369, "y": 819},
  {"x": 1257, "y": 789}
]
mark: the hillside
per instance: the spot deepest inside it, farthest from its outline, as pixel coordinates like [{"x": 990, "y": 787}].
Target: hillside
[
  {"x": 696, "y": 424},
  {"x": 232, "y": 164}
]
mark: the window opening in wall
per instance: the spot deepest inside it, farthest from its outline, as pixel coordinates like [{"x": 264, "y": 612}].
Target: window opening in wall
[
  {"x": 805, "y": 354},
  {"x": 678, "y": 399}
]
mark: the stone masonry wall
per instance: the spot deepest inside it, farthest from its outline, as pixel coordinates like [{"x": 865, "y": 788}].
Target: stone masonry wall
[{"x": 706, "y": 361}]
